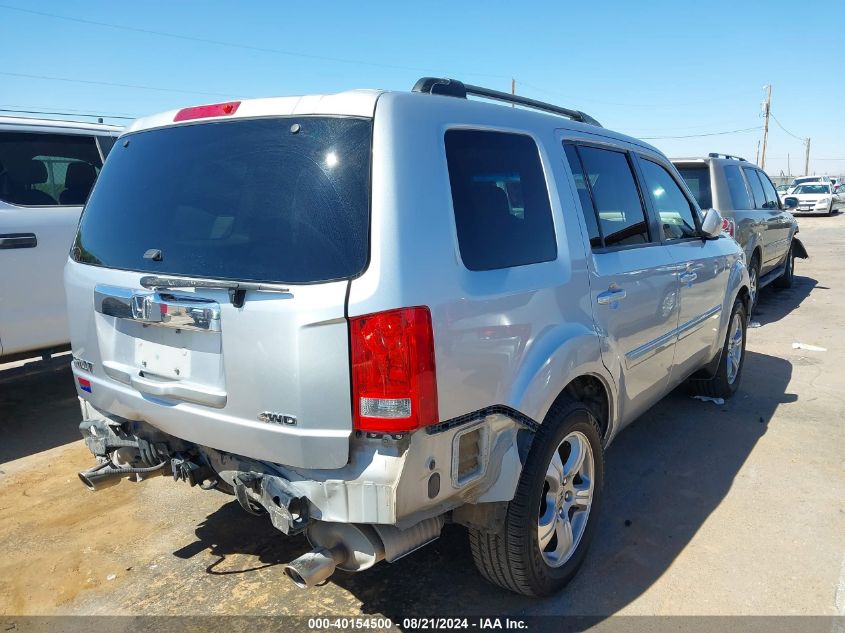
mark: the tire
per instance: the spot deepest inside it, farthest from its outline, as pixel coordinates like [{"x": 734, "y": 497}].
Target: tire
[
  {"x": 754, "y": 283},
  {"x": 510, "y": 555},
  {"x": 725, "y": 382},
  {"x": 830, "y": 210},
  {"x": 785, "y": 280}
]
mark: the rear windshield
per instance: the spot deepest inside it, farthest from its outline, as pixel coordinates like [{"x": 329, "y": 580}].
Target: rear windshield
[
  {"x": 698, "y": 181},
  {"x": 281, "y": 200}
]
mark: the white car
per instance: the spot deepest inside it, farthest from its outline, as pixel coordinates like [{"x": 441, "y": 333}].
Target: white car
[
  {"x": 815, "y": 197},
  {"x": 802, "y": 180},
  {"x": 47, "y": 170}
]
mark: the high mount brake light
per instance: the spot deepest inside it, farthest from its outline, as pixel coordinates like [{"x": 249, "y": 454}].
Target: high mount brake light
[
  {"x": 394, "y": 382},
  {"x": 206, "y": 111}
]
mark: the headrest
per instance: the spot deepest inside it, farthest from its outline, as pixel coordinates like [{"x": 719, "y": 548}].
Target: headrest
[
  {"x": 27, "y": 172},
  {"x": 80, "y": 176},
  {"x": 490, "y": 200}
]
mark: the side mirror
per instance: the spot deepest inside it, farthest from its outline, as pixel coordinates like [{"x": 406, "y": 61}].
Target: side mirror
[
  {"x": 790, "y": 202},
  {"x": 711, "y": 225}
]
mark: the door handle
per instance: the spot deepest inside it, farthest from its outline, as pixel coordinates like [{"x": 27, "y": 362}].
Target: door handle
[
  {"x": 611, "y": 296},
  {"x": 688, "y": 278},
  {"x": 18, "y": 240}
]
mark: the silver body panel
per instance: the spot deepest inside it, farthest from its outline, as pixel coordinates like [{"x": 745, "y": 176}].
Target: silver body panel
[{"x": 513, "y": 337}]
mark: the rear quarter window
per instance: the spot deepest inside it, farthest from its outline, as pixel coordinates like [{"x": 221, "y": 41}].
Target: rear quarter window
[{"x": 502, "y": 211}]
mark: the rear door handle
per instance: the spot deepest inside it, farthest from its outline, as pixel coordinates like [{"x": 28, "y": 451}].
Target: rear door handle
[
  {"x": 18, "y": 240},
  {"x": 611, "y": 296},
  {"x": 688, "y": 278}
]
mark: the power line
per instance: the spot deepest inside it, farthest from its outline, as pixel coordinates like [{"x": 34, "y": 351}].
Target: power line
[
  {"x": 748, "y": 129},
  {"x": 71, "y": 114},
  {"x": 249, "y": 47},
  {"x": 27, "y": 107},
  {"x": 625, "y": 105},
  {"x": 803, "y": 140},
  {"x": 112, "y": 84}
]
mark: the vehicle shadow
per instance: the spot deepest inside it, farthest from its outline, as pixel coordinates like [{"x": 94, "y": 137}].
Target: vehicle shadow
[
  {"x": 775, "y": 303},
  {"x": 38, "y": 411},
  {"x": 664, "y": 476}
]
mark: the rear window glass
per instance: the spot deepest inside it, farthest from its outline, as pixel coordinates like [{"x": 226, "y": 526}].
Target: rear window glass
[
  {"x": 46, "y": 170},
  {"x": 698, "y": 182},
  {"x": 276, "y": 200},
  {"x": 502, "y": 210},
  {"x": 737, "y": 188}
]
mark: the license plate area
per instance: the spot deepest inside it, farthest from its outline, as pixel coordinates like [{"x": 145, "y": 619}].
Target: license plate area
[{"x": 162, "y": 360}]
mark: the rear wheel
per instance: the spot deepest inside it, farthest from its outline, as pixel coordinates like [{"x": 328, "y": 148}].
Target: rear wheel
[
  {"x": 725, "y": 382},
  {"x": 551, "y": 519},
  {"x": 785, "y": 280},
  {"x": 753, "y": 283}
]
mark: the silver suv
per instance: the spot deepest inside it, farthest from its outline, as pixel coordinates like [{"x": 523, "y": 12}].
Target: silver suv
[
  {"x": 369, "y": 313},
  {"x": 752, "y": 213}
]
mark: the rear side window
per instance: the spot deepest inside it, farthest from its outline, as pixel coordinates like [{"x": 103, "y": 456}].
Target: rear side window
[
  {"x": 47, "y": 170},
  {"x": 671, "y": 205},
  {"x": 583, "y": 190},
  {"x": 698, "y": 182},
  {"x": 281, "y": 200},
  {"x": 772, "y": 201},
  {"x": 622, "y": 220},
  {"x": 502, "y": 211},
  {"x": 737, "y": 188},
  {"x": 756, "y": 188}
]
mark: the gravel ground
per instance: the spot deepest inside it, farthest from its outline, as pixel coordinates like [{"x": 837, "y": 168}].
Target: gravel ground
[{"x": 718, "y": 510}]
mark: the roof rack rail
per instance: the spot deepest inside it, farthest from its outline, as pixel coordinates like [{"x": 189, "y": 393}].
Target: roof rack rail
[
  {"x": 718, "y": 155},
  {"x": 455, "y": 88}
]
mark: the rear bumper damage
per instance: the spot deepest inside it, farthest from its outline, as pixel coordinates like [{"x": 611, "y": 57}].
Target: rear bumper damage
[{"x": 393, "y": 494}]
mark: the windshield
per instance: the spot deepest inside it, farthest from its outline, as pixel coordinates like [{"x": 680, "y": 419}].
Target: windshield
[
  {"x": 812, "y": 189},
  {"x": 698, "y": 182},
  {"x": 281, "y": 200}
]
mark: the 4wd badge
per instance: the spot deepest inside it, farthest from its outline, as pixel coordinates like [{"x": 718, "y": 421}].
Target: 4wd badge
[{"x": 277, "y": 418}]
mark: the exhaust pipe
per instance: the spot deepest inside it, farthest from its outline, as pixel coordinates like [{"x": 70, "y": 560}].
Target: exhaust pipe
[
  {"x": 355, "y": 547},
  {"x": 105, "y": 475},
  {"x": 313, "y": 568}
]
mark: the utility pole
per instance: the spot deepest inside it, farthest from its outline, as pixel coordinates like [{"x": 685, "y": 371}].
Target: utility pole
[
  {"x": 788, "y": 168},
  {"x": 757, "y": 160},
  {"x": 767, "y": 108},
  {"x": 807, "y": 157},
  {"x": 513, "y": 89}
]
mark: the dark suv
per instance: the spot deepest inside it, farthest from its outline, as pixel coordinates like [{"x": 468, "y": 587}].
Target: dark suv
[{"x": 751, "y": 212}]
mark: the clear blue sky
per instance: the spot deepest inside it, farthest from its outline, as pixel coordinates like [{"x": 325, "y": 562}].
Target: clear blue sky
[{"x": 650, "y": 69}]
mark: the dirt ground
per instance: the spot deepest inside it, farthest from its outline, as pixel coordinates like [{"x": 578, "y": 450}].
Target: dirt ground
[{"x": 734, "y": 509}]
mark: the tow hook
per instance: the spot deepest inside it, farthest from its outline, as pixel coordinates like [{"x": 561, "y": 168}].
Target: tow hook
[{"x": 288, "y": 510}]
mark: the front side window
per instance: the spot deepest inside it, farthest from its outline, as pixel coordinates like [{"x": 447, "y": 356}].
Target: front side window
[
  {"x": 737, "y": 188},
  {"x": 756, "y": 188},
  {"x": 672, "y": 206},
  {"x": 502, "y": 211},
  {"x": 622, "y": 219},
  {"x": 47, "y": 170}
]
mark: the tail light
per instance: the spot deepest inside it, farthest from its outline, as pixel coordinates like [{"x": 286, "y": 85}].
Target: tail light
[
  {"x": 206, "y": 111},
  {"x": 394, "y": 383},
  {"x": 728, "y": 226}
]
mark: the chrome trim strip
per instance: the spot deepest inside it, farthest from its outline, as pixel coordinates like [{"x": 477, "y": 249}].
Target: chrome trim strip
[
  {"x": 163, "y": 309},
  {"x": 691, "y": 326},
  {"x": 647, "y": 349},
  {"x": 660, "y": 342}
]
